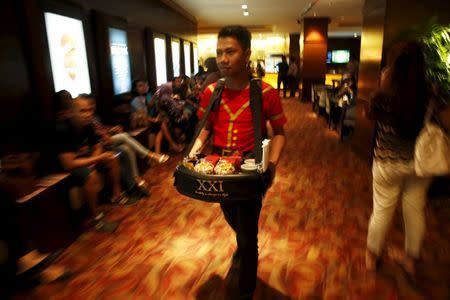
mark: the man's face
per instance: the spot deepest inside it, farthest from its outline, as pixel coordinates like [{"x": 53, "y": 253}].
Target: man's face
[
  {"x": 142, "y": 87},
  {"x": 83, "y": 111},
  {"x": 177, "y": 82},
  {"x": 231, "y": 58}
]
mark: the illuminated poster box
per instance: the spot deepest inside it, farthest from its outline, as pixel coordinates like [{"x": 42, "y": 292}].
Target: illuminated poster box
[
  {"x": 195, "y": 59},
  {"x": 67, "y": 54},
  {"x": 176, "y": 57},
  {"x": 120, "y": 61},
  {"x": 187, "y": 58},
  {"x": 160, "y": 60}
]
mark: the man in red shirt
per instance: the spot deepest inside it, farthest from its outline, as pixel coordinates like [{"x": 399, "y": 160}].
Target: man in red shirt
[{"x": 232, "y": 132}]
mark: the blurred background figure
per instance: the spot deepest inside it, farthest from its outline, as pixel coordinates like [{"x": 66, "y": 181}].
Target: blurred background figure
[
  {"x": 282, "y": 68},
  {"x": 399, "y": 108}
]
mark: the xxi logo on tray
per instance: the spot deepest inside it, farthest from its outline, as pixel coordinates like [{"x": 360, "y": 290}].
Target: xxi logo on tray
[{"x": 210, "y": 185}]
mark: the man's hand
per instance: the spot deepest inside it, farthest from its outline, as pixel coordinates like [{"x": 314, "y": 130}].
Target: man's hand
[
  {"x": 107, "y": 139},
  {"x": 108, "y": 156},
  {"x": 154, "y": 120},
  {"x": 195, "y": 148}
]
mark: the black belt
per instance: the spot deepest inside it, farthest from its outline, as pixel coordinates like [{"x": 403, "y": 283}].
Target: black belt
[{"x": 229, "y": 152}]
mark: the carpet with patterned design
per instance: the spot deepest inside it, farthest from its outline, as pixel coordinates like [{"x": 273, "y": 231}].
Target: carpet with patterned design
[{"x": 313, "y": 228}]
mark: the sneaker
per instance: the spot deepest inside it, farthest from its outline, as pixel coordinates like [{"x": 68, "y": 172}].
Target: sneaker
[
  {"x": 132, "y": 199},
  {"x": 163, "y": 158},
  {"x": 159, "y": 158},
  {"x": 104, "y": 226},
  {"x": 142, "y": 191},
  {"x": 124, "y": 199}
]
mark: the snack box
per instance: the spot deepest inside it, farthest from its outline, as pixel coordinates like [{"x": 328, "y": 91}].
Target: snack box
[
  {"x": 236, "y": 160},
  {"x": 213, "y": 159}
]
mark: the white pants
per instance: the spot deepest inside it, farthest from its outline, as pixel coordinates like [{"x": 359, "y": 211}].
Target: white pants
[
  {"x": 130, "y": 145},
  {"x": 394, "y": 181},
  {"x": 125, "y": 138}
]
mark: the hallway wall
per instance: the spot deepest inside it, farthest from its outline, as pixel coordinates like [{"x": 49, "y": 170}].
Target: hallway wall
[
  {"x": 384, "y": 22},
  {"x": 27, "y": 86}
]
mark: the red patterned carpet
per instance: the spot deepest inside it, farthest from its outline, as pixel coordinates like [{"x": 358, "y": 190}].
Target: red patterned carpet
[{"x": 313, "y": 229}]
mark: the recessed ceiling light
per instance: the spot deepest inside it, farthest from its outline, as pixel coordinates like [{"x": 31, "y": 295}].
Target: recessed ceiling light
[
  {"x": 355, "y": 35},
  {"x": 246, "y": 13},
  {"x": 244, "y": 6}
]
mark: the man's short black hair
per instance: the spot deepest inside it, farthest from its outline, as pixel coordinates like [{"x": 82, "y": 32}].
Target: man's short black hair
[
  {"x": 89, "y": 97},
  {"x": 85, "y": 95},
  {"x": 62, "y": 100},
  {"x": 240, "y": 33}
]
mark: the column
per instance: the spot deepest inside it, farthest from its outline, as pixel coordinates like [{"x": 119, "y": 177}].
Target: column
[{"x": 315, "y": 33}]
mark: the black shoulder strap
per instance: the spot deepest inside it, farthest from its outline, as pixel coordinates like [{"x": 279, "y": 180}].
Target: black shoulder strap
[
  {"x": 256, "y": 106},
  {"x": 213, "y": 105}
]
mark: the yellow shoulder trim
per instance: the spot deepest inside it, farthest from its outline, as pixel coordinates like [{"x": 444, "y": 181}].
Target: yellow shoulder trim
[
  {"x": 211, "y": 87},
  {"x": 267, "y": 89}
]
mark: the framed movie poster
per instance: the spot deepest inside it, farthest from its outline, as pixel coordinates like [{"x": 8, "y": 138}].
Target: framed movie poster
[
  {"x": 176, "y": 57},
  {"x": 160, "y": 60},
  {"x": 120, "y": 61},
  {"x": 67, "y": 53},
  {"x": 187, "y": 58},
  {"x": 195, "y": 59}
]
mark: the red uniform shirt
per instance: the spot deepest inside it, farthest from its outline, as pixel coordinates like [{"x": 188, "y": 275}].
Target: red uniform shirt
[{"x": 232, "y": 126}]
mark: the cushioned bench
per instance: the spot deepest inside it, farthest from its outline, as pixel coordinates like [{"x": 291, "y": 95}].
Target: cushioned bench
[
  {"x": 42, "y": 184},
  {"x": 43, "y": 212}
]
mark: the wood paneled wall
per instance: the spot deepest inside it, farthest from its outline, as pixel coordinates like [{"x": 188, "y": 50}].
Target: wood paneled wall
[
  {"x": 384, "y": 22},
  {"x": 26, "y": 94},
  {"x": 369, "y": 69},
  {"x": 136, "y": 46},
  {"x": 149, "y": 13},
  {"x": 15, "y": 86}
]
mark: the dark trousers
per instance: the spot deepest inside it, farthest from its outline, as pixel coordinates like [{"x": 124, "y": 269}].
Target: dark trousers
[
  {"x": 243, "y": 218},
  {"x": 126, "y": 176},
  {"x": 293, "y": 85},
  {"x": 285, "y": 84}
]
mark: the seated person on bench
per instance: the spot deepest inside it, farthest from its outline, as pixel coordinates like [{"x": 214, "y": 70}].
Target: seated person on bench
[
  {"x": 150, "y": 108},
  {"x": 115, "y": 138},
  {"x": 80, "y": 153}
]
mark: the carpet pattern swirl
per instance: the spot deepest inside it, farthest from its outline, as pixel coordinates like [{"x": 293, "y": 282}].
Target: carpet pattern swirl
[{"x": 313, "y": 229}]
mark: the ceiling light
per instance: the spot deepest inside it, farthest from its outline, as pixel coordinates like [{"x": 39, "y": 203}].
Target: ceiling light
[
  {"x": 355, "y": 35},
  {"x": 244, "y": 6},
  {"x": 246, "y": 13}
]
